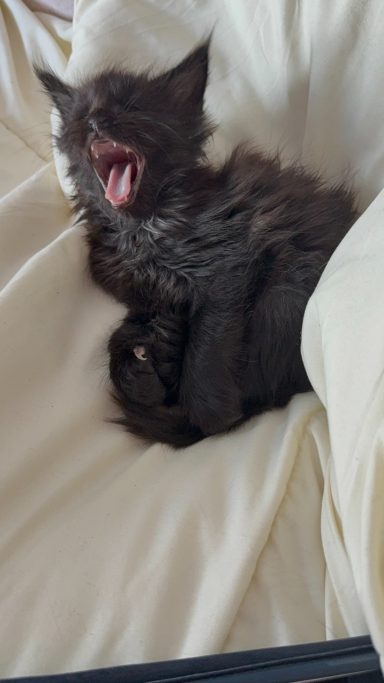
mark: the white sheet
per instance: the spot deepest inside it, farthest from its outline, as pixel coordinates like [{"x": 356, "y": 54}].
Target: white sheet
[{"x": 113, "y": 553}]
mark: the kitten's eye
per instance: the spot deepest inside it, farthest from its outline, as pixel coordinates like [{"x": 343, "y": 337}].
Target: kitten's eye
[{"x": 81, "y": 116}]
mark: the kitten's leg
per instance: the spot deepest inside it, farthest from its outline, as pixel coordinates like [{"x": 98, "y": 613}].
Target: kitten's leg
[{"x": 209, "y": 390}]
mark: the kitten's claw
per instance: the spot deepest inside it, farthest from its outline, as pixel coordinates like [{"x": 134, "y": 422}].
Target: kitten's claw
[{"x": 139, "y": 352}]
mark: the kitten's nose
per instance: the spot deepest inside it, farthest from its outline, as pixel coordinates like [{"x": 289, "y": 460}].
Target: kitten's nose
[
  {"x": 97, "y": 122},
  {"x": 92, "y": 123}
]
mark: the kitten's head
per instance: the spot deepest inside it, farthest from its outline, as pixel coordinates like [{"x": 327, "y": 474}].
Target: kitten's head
[{"x": 125, "y": 134}]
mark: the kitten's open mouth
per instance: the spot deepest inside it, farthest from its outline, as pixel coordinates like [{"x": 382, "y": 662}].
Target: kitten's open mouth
[{"x": 119, "y": 169}]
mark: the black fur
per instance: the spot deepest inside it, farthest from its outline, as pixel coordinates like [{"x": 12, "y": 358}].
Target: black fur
[{"x": 215, "y": 265}]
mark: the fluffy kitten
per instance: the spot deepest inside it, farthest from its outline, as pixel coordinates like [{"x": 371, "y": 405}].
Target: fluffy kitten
[{"x": 215, "y": 265}]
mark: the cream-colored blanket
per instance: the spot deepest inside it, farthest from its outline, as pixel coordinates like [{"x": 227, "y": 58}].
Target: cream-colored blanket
[{"x": 112, "y": 552}]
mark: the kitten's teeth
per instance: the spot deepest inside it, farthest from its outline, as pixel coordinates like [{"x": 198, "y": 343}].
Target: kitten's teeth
[
  {"x": 114, "y": 144},
  {"x": 96, "y": 155}
]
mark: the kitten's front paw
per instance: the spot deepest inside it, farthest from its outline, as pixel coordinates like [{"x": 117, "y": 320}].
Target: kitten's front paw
[{"x": 131, "y": 366}]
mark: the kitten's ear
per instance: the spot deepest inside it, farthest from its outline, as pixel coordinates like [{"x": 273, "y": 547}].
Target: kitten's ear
[
  {"x": 59, "y": 92},
  {"x": 188, "y": 79}
]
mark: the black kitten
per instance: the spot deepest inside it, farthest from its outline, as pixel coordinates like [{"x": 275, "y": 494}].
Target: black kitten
[{"x": 215, "y": 265}]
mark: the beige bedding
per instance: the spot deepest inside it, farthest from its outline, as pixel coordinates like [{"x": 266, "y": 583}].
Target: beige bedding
[{"x": 112, "y": 552}]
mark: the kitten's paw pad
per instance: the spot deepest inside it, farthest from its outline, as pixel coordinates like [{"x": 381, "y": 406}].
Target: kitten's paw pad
[{"x": 140, "y": 352}]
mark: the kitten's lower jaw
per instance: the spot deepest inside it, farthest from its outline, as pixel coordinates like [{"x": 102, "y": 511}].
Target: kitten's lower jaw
[{"x": 119, "y": 170}]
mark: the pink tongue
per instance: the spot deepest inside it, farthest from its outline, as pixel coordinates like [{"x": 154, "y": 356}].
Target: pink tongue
[{"x": 119, "y": 183}]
